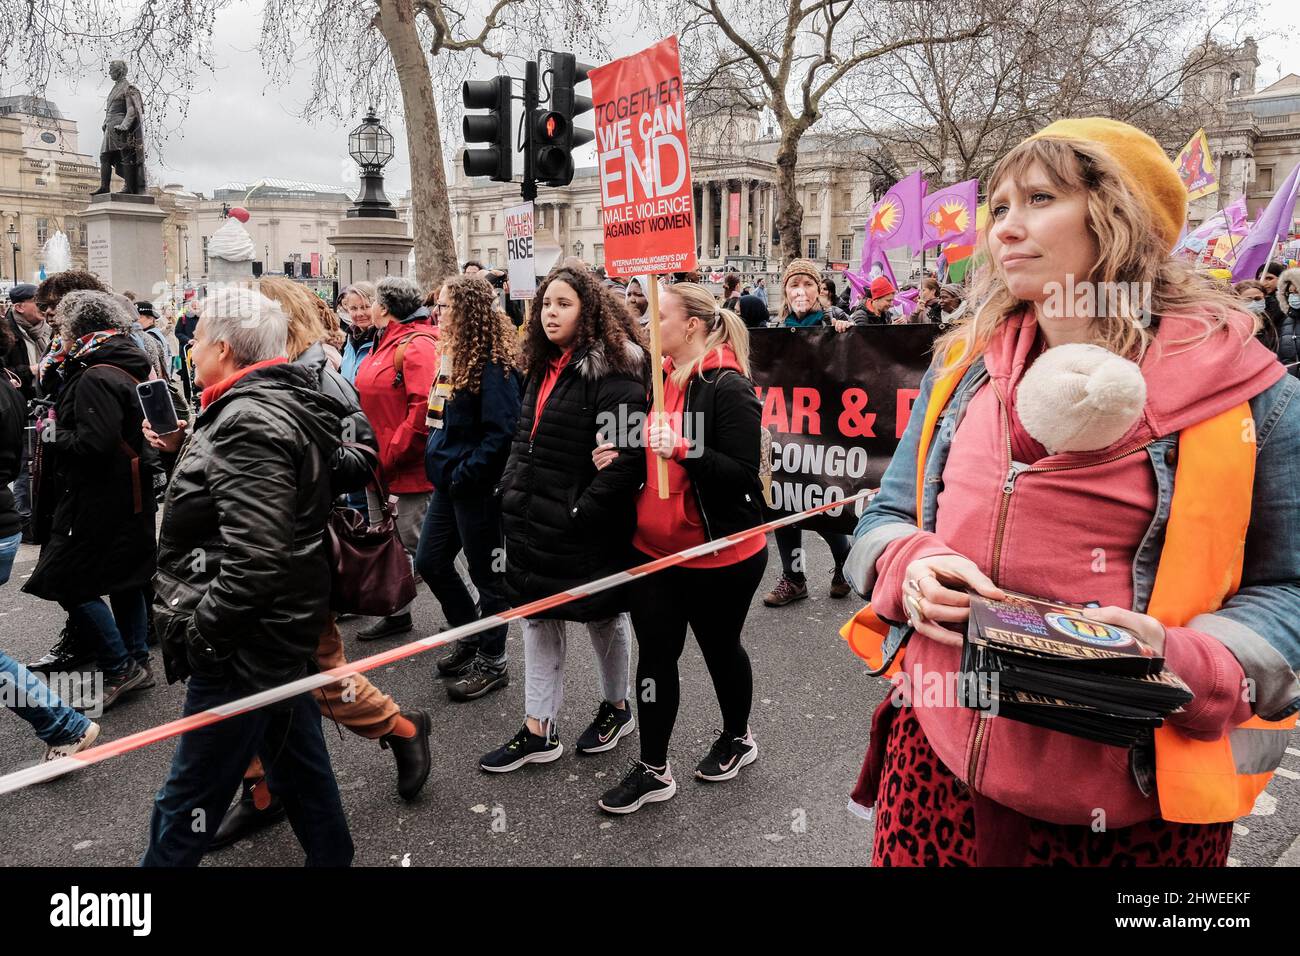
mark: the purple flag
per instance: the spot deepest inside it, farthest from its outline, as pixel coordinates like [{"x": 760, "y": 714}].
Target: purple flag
[
  {"x": 1274, "y": 223},
  {"x": 950, "y": 214},
  {"x": 1231, "y": 219},
  {"x": 897, "y": 219}
]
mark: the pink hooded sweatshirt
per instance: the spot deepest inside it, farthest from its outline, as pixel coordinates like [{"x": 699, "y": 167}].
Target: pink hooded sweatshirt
[{"x": 1071, "y": 535}]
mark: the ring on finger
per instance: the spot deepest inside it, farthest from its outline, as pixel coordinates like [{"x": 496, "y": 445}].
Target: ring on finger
[{"x": 913, "y": 606}]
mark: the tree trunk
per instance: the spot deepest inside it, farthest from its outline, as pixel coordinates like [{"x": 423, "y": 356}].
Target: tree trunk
[
  {"x": 789, "y": 212},
  {"x": 435, "y": 246}
]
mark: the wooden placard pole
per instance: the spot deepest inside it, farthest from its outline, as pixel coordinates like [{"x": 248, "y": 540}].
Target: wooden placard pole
[{"x": 657, "y": 382}]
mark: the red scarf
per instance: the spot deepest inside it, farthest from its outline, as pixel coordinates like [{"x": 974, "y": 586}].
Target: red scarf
[{"x": 214, "y": 392}]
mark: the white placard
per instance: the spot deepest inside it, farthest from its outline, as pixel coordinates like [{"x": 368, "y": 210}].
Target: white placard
[{"x": 521, "y": 251}]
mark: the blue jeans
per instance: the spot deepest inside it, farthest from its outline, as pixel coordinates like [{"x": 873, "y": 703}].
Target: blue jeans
[
  {"x": 209, "y": 764},
  {"x": 8, "y": 551},
  {"x": 121, "y": 633},
  {"x": 22, "y": 486},
  {"x": 24, "y": 693},
  {"x": 789, "y": 542},
  {"x": 473, "y": 522}
]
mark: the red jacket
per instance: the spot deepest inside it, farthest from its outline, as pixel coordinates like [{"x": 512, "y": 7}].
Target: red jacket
[
  {"x": 666, "y": 526},
  {"x": 397, "y": 410}
]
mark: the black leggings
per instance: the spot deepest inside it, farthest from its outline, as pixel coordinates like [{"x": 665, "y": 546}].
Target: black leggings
[{"x": 714, "y": 602}]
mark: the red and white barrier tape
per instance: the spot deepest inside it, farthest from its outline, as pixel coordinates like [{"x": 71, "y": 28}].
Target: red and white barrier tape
[{"x": 65, "y": 765}]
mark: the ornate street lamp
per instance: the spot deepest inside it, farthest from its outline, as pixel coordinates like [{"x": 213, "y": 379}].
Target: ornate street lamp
[
  {"x": 371, "y": 146},
  {"x": 12, "y": 236},
  {"x": 577, "y": 248}
]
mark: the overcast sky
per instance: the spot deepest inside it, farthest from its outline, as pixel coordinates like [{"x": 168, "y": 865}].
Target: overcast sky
[{"x": 239, "y": 130}]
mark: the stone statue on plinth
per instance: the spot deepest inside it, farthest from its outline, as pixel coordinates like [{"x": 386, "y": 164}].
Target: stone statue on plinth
[{"x": 123, "y": 147}]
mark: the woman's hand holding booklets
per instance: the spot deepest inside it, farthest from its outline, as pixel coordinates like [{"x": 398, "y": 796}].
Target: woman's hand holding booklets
[{"x": 1044, "y": 663}]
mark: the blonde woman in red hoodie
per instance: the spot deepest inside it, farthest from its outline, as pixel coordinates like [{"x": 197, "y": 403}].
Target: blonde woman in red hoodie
[
  {"x": 1055, "y": 468},
  {"x": 710, "y": 440}
]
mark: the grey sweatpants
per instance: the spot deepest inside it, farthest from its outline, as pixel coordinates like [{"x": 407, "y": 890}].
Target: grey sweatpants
[{"x": 545, "y": 643}]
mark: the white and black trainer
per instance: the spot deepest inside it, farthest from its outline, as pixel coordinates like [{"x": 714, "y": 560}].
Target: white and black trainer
[
  {"x": 610, "y": 726},
  {"x": 727, "y": 755},
  {"x": 524, "y": 747},
  {"x": 642, "y": 785}
]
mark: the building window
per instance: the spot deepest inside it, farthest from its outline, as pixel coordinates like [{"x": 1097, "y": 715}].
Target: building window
[
  {"x": 1234, "y": 84},
  {"x": 476, "y": 224},
  {"x": 812, "y": 247},
  {"x": 577, "y": 218},
  {"x": 600, "y": 253},
  {"x": 1263, "y": 180},
  {"x": 476, "y": 255},
  {"x": 307, "y": 232},
  {"x": 814, "y": 200},
  {"x": 205, "y": 255},
  {"x": 42, "y": 231},
  {"x": 81, "y": 237},
  {"x": 492, "y": 224},
  {"x": 846, "y": 247}
]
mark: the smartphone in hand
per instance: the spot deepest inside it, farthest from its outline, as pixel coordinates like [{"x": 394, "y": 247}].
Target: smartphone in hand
[{"x": 156, "y": 402}]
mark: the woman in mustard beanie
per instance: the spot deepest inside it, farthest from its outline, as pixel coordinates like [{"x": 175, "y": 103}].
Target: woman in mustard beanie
[{"x": 1095, "y": 430}]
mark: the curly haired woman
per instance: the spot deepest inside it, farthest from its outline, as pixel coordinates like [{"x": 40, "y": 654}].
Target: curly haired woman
[
  {"x": 473, "y": 410},
  {"x": 565, "y": 523},
  {"x": 1103, "y": 449}
]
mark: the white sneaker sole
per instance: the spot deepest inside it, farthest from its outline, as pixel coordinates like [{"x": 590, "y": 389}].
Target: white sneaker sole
[
  {"x": 622, "y": 732},
  {"x": 543, "y": 756},
  {"x": 87, "y": 741},
  {"x": 742, "y": 762},
  {"x": 654, "y": 796}
]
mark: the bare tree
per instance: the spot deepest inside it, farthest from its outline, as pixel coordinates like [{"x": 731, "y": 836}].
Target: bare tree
[
  {"x": 955, "y": 109},
  {"x": 787, "y": 57}
]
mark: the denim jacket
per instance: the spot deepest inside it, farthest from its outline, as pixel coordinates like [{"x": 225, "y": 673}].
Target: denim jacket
[{"x": 1260, "y": 624}]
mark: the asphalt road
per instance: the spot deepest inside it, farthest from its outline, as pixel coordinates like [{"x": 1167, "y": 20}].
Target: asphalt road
[{"x": 812, "y": 703}]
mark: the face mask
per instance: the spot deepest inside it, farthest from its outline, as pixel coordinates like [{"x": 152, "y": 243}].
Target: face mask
[
  {"x": 800, "y": 302},
  {"x": 1255, "y": 305},
  {"x": 1293, "y": 300}
]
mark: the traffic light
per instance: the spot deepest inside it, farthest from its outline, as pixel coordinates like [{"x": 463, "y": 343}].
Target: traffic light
[
  {"x": 554, "y": 135},
  {"x": 497, "y": 160}
]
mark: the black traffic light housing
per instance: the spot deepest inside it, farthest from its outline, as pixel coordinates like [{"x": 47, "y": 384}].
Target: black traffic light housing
[
  {"x": 494, "y": 127},
  {"x": 553, "y": 135}
]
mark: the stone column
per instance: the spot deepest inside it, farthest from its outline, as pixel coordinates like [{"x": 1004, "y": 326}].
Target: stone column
[
  {"x": 706, "y": 195},
  {"x": 744, "y": 217},
  {"x": 824, "y": 242},
  {"x": 724, "y": 214},
  {"x": 771, "y": 220},
  {"x": 696, "y": 191}
]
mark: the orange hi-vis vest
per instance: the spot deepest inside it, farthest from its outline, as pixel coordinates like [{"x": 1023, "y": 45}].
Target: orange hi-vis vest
[{"x": 1197, "y": 781}]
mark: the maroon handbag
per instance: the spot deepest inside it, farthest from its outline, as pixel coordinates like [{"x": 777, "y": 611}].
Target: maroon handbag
[{"x": 371, "y": 571}]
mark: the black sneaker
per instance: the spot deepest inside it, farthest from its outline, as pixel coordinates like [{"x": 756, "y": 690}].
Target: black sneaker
[
  {"x": 118, "y": 686},
  {"x": 727, "y": 755},
  {"x": 69, "y": 653},
  {"x": 480, "y": 679},
  {"x": 610, "y": 726},
  {"x": 386, "y": 627},
  {"x": 641, "y": 786},
  {"x": 524, "y": 747},
  {"x": 457, "y": 662}
]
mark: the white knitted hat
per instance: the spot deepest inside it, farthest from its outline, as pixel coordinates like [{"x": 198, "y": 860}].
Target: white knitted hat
[{"x": 1080, "y": 398}]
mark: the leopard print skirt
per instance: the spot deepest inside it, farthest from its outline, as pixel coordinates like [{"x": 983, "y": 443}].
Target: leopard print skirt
[{"x": 925, "y": 816}]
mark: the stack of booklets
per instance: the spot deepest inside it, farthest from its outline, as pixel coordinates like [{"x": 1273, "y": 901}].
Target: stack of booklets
[{"x": 1044, "y": 663}]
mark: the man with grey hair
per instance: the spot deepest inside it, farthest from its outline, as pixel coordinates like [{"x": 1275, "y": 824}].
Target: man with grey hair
[{"x": 251, "y": 495}]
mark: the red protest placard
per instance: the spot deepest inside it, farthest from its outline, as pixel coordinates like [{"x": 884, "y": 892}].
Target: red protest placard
[{"x": 644, "y": 161}]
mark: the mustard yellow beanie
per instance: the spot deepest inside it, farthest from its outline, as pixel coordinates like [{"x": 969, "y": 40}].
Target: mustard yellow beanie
[{"x": 1149, "y": 173}]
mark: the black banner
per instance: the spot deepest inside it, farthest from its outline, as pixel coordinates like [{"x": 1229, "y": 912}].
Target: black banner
[{"x": 836, "y": 404}]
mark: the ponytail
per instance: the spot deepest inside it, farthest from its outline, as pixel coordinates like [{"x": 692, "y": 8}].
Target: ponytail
[{"x": 723, "y": 326}]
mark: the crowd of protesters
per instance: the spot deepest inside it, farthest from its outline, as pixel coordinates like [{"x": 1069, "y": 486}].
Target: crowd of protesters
[{"x": 475, "y": 427}]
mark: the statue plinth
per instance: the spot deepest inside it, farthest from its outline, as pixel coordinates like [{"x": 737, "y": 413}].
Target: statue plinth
[
  {"x": 124, "y": 242},
  {"x": 370, "y": 248},
  {"x": 224, "y": 271}
]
